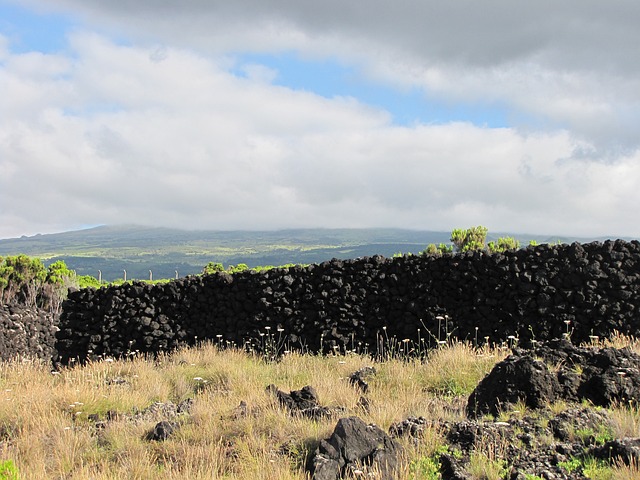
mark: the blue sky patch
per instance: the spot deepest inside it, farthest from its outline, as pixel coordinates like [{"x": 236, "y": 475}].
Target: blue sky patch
[
  {"x": 331, "y": 78},
  {"x": 29, "y": 31}
]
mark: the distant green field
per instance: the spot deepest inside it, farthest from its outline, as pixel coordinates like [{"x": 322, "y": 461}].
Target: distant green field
[{"x": 136, "y": 249}]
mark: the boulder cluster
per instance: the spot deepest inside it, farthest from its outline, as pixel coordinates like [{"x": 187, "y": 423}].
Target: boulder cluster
[
  {"x": 364, "y": 304},
  {"x": 535, "y": 442},
  {"x": 540, "y": 442},
  {"x": 556, "y": 371}
]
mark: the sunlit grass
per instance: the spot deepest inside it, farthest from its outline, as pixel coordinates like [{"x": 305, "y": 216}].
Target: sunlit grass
[{"x": 48, "y": 427}]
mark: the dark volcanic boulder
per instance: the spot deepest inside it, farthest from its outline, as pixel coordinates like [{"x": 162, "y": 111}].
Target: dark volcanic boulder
[
  {"x": 515, "y": 378},
  {"x": 359, "y": 378},
  {"x": 601, "y": 375},
  {"x": 559, "y": 370},
  {"x": 355, "y": 445},
  {"x": 295, "y": 400},
  {"x": 302, "y": 402},
  {"x": 162, "y": 431},
  {"x": 625, "y": 450}
]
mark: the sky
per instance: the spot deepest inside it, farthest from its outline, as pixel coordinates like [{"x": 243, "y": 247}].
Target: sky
[{"x": 523, "y": 117}]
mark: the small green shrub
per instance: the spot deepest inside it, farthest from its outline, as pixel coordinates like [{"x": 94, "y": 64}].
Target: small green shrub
[
  {"x": 503, "y": 244},
  {"x": 590, "y": 436},
  {"x": 87, "y": 281},
  {"x": 597, "y": 469},
  {"x": 473, "y": 238},
  {"x": 212, "y": 267},
  {"x": 571, "y": 465},
  {"x": 26, "y": 280},
  {"x": 590, "y": 467},
  {"x": 425, "y": 468},
  {"x": 241, "y": 267},
  {"x": 433, "y": 249},
  {"x": 8, "y": 470}
]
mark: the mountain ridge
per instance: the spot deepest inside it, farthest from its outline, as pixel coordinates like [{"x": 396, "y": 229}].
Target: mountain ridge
[{"x": 112, "y": 249}]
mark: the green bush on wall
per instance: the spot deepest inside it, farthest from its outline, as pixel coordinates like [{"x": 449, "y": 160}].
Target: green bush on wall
[{"x": 473, "y": 238}]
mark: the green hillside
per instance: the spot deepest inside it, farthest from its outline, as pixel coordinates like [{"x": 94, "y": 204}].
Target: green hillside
[{"x": 138, "y": 249}]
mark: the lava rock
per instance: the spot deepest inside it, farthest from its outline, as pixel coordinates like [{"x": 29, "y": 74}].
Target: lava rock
[
  {"x": 354, "y": 444},
  {"x": 565, "y": 424},
  {"x": 295, "y": 400},
  {"x": 358, "y": 378},
  {"x": 412, "y": 426},
  {"x": 162, "y": 431},
  {"x": 515, "y": 378},
  {"x": 626, "y": 450},
  {"x": 303, "y": 402},
  {"x": 603, "y": 376}
]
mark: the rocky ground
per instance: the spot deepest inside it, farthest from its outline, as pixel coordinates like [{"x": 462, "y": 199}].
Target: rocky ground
[
  {"x": 511, "y": 422},
  {"x": 539, "y": 414}
]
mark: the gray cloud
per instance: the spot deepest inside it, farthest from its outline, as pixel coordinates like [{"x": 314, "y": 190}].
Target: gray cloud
[
  {"x": 488, "y": 33},
  {"x": 569, "y": 64}
]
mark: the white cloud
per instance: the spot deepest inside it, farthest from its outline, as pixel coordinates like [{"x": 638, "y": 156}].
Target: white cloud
[
  {"x": 259, "y": 73},
  {"x": 158, "y": 131}
]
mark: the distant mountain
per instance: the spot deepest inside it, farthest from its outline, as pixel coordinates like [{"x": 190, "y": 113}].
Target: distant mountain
[{"x": 138, "y": 249}]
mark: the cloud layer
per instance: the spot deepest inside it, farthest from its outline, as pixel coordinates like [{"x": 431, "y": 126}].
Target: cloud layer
[{"x": 158, "y": 130}]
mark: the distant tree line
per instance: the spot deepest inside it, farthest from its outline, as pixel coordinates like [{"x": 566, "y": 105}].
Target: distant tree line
[{"x": 215, "y": 267}]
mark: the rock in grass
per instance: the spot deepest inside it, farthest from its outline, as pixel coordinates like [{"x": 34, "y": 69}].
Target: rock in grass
[
  {"x": 517, "y": 378},
  {"x": 302, "y": 402},
  {"x": 625, "y": 450},
  {"x": 555, "y": 371},
  {"x": 162, "y": 431},
  {"x": 355, "y": 445},
  {"x": 295, "y": 400},
  {"x": 359, "y": 378}
]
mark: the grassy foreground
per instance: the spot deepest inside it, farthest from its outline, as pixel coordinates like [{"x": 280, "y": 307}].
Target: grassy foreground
[{"x": 48, "y": 428}]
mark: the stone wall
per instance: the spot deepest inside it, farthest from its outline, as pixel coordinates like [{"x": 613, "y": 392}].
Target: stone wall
[
  {"x": 26, "y": 332},
  {"x": 537, "y": 292}
]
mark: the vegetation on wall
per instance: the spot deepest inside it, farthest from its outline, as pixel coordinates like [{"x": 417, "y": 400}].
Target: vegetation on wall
[
  {"x": 27, "y": 281},
  {"x": 473, "y": 238}
]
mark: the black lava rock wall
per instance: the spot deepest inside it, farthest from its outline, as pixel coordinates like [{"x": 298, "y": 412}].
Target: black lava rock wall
[
  {"x": 26, "y": 332},
  {"x": 538, "y": 292}
]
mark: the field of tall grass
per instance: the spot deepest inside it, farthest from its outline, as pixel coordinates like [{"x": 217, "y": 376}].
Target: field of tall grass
[{"x": 91, "y": 421}]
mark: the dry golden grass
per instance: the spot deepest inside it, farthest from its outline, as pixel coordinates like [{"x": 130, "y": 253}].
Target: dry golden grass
[
  {"x": 617, "y": 340},
  {"x": 46, "y": 431},
  {"x": 626, "y": 420},
  {"x": 626, "y": 472}
]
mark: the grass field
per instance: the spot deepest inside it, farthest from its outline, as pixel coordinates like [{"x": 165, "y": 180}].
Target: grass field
[{"x": 54, "y": 425}]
